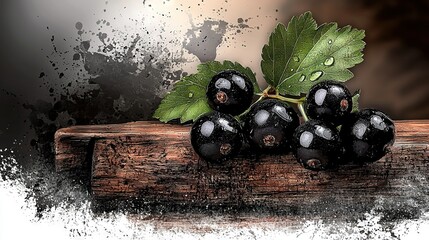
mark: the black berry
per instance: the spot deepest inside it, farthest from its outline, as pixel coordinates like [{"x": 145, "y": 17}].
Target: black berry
[
  {"x": 317, "y": 146},
  {"x": 216, "y": 136},
  {"x": 270, "y": 124},
  {"x": 367, "y": 135},
  {"x": 230, "y": 92},
  {"x": 330, "y": 102}
]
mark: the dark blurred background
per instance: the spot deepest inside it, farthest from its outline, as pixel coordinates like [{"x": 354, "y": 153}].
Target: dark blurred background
[{"x": 91, "y": 62}]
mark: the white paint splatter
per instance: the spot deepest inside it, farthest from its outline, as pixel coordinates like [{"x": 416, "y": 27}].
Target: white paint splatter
[{"x": 18, "y": 220}]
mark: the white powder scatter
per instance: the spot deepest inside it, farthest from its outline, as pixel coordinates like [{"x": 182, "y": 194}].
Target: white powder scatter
[
  {"x": 17, "y": 215},
  {"x": 19, "y": 220}
]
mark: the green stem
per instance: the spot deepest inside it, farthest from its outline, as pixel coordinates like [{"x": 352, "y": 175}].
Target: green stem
[
  {"x": 302, "y": 111},
  {"x": 286, "y": 99},
  {"x": 269, "y": 92},
  {"x": 248, "y": 109}
]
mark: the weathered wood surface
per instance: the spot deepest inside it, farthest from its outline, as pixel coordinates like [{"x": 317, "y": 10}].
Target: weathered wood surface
[{"x": 155, "y": 163}]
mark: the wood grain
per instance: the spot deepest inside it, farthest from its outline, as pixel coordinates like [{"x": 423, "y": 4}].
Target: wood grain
[{"x": 155, "y": 163}]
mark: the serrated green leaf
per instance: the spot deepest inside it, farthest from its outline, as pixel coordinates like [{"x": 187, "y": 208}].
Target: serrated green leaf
[
  {"x": 355, "y": 100},
  {"x": 303, "y": 54},
  {"x": 187, "y": 101}
]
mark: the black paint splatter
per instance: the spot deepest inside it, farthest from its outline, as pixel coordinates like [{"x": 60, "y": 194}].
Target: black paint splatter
[{"x": 204, "y": 40}]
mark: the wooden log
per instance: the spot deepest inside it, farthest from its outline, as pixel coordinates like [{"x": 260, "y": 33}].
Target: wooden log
[{"x": 155, "y": 162}]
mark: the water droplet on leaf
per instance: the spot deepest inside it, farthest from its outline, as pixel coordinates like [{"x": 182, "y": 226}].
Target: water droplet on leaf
[
  {"x": 329, "y": 41},
  {"x": 291, "y": 69},
  {"x": 329, "y": 61},
  {"x": 191, "y": 95},
  {"x": 315, "y": 75},
  {"x": 296, "y": 58},
  {"x": 302, "y": 78}
]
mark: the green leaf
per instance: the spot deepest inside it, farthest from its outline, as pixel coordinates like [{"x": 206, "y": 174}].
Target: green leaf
[
  {"x": 187, "y": 101},
  {"x": 303, "y": 54},
  {"x": 355, "y": 100}
]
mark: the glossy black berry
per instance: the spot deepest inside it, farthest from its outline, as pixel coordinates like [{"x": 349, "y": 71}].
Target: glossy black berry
[
  {"x": 270, "y": 124},
  {"x": 216, "y": 137},
  {"x": 230, "y": 92},
  {"x": 330, "y": 102},
  {"x": 367, "y": 135},
  {"x": 317, "y": 146}
]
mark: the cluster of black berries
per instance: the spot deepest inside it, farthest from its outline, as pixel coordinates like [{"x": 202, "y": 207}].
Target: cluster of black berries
[{"x": 272, "y": 126}]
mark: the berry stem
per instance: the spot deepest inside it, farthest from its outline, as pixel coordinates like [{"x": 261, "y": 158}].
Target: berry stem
[
  {"x": 286, "y": 99},
  {"x": 271, "y": 92},
  {"x": 248, "y": 109},
  {"x": 302, "y": 111}
]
